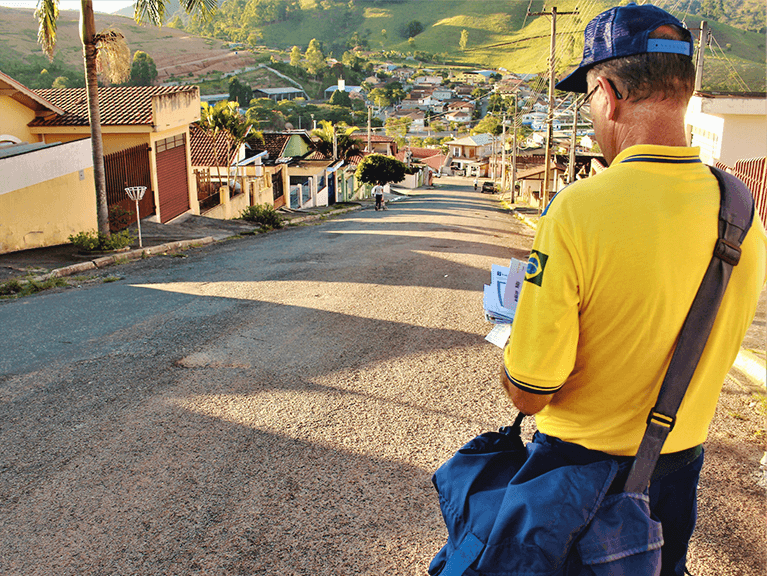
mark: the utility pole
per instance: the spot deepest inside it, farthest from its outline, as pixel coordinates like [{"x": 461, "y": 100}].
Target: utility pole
[
  {"x": 702, "y": 43},
  {"x": 514, "y": 153},
  {"x": 552, "y": 104},
  {"x": 571, "y": 164},
  {"x": 503, "y": 157},
  {"x": 370, "y": 112}
]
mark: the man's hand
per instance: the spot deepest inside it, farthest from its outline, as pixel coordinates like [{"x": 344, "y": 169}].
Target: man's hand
[{"x": 525, "y": 402}]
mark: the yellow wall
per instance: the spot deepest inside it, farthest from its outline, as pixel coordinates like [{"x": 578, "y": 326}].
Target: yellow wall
[
  {"x": 47, "y": 213},
  {"x": 172, "y": 110},
  {"x": 14, "y": 120}
]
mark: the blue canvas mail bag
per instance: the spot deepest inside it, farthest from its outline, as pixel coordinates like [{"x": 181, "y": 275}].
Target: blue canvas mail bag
[{"x": 530, "y": 510}]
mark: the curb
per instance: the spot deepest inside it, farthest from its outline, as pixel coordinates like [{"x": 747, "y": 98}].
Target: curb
[
  {"x": 753, "y": 367},
  {"x": 312, "y": 217},
  {"x": 123, "y": 256},
  {"x": 162, "y": 248},
  {"x": 526, "y": 220}
]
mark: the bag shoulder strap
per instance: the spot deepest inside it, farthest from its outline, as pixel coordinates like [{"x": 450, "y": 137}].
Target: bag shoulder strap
[{"x": 736, "y": 213}]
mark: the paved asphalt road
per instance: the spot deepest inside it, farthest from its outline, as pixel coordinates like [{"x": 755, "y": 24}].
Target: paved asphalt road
[{"x": 276, "y": 404}]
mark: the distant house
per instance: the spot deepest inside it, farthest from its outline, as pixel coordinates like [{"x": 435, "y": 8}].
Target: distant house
[
  {"x": 431, "y": 80},
  {"x": 309, "y": 181},
  {"x": 411, "y": 101},
  {"x": 460, "y": 106},
  {"x": 441, "y": 93},
  {"x": 431, "y": 157},
  {"x": 379, "y": 143},
  {"x": 417, "y": 117},
  {"x": 278, "y": 94},
  {"x": 343, "y": 87},
  {"x": 458, "y": 116},
  {"x": 471, "y": 153}
]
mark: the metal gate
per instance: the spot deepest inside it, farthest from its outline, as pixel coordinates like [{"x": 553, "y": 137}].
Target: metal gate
[
  {"x": 278, "y": 194},
  {"x": 172, "y": 178},
  {"x": 125, "y": 168},
  {"x": 331, "y": 188}
]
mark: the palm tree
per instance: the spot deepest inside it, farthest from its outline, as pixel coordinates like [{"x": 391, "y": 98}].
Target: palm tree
[
  {"x": 106, "y": 47},
  {"x": 335, "y": 144},
  {"x": 225, "y": 117}
]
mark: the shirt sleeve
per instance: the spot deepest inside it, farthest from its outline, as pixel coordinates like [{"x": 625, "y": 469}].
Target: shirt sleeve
[{"x": 541, "y": 351}]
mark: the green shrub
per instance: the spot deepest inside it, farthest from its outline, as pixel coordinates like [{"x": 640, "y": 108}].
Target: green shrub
[
  {"x": 15, "y": 289},
  {"x": 93, "y": 241},
  {"x": 262, "y": 214},
  {"x": 119, "y": 218},
  {"x": 10, "y": 287}
]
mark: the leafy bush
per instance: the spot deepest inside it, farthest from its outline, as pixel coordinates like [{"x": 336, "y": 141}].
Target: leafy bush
[
  {"x": 10, "y": 287},
  {"x": 119, "y": 217},
  {"x": 262, "y": 214},
  {"x": 93, "y": 241}
]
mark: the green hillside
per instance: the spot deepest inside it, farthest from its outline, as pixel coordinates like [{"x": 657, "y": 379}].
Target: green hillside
[{"x": 500, "y": 34}]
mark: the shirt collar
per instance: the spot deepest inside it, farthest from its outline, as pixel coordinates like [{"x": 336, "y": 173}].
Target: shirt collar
[{"x": 659, "y": 154}]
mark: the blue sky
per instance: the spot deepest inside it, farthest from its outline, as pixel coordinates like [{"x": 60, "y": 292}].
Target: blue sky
[{"x": 108, "y": 6}]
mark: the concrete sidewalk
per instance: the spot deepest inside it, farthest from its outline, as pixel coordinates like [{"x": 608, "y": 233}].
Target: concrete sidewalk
[{"x": 186, "y": 231}]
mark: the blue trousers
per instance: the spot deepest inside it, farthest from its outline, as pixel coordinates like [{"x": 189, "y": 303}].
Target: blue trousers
[{"x": 673, "y": 494}]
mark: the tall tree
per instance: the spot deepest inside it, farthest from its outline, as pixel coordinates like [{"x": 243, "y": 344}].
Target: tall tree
[
  {"x": 464, "y": 41},
  {"x": 397, "y": 128},
  {"x": 107, "y": 45},
  {"x": 143, "y": 70},
  {"x": 315, "y": 59},
  {"x": 295, "y": 56},
  {"x": 240, "y": 92}
]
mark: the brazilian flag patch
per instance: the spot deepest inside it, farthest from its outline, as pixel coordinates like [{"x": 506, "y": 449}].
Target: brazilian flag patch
[{"x": 536, "y": 265}]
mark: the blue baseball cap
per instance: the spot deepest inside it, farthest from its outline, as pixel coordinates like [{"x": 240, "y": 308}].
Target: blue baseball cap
[{"x": 623, "y": 31}]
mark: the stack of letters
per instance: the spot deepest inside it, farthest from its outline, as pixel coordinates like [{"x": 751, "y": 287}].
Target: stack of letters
[{"x": 501, "y": 297}]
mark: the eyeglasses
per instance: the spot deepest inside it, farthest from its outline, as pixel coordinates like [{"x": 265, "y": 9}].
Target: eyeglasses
[
  {"x": 589, "y": 95},
  {"x": 618, "y": 95}
]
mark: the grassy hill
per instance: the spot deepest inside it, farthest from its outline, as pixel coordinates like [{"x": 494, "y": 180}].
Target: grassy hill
[{"x": 500, "y": 34}]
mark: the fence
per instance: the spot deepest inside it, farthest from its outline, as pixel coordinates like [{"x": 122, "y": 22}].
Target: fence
[
  {"x": 753, "y": 171},
  {"x": 125, "y": 168}
]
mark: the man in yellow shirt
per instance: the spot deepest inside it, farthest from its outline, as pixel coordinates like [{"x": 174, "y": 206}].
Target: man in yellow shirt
[{"x": 616, "y": 262}]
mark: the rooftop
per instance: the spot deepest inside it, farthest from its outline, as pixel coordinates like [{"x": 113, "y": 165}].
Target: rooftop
[{"x": 119, "y": 105}]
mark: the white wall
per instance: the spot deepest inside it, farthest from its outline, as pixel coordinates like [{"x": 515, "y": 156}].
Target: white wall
[{"x": 29, "y": 169}]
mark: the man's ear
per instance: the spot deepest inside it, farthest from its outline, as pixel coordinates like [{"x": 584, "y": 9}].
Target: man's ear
[{"x": 611, "y": 99}]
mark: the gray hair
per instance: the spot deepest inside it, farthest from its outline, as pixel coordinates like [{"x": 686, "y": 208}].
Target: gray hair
[{"x": 652, "y": 75}]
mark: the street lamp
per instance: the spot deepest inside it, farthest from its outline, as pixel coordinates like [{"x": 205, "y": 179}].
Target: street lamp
[{"x": 136, "y": 193}]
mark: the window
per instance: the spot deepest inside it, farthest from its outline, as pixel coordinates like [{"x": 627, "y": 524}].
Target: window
[{"x": 169, "y": 143}]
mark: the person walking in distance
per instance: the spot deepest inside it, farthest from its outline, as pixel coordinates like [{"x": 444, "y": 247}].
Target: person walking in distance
[
  {"x": 378, "y": 192},
  {"x": 616, "y": 262}
]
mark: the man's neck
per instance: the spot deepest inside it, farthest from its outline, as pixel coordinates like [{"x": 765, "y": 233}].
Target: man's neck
[{"x": 650, "y": 123}]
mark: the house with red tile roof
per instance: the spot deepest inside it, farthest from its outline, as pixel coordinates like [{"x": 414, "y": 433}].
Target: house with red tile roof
[
  {"x": 380, "y": 143},
  {"x": 146, "y": 126},
  {"x": 437, "y": 162}
]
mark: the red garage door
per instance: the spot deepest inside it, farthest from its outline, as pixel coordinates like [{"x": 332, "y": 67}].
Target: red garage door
[{"x": 172, "y": 181}]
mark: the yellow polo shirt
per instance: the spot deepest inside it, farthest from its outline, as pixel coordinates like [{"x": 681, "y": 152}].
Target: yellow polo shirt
[{"x": 616, "y": 262}]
